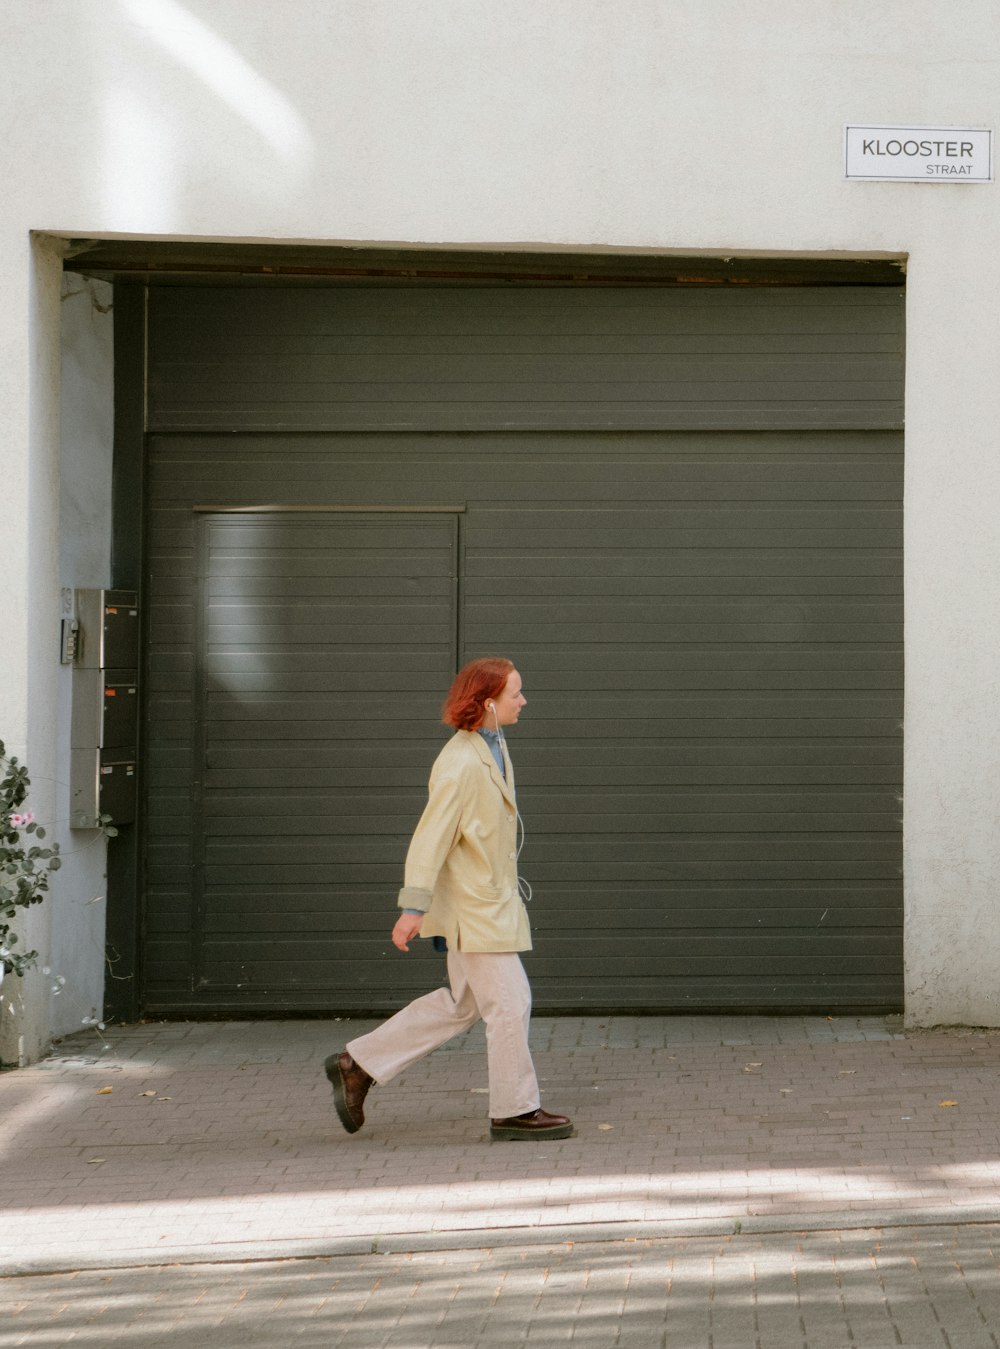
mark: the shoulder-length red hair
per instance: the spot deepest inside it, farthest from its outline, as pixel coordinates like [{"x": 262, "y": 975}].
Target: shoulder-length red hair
[{"x": 472, "y": 686}]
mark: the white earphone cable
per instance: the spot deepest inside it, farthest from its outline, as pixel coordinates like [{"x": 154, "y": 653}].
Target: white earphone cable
[
  {"x": 524, "y": 888},
  {"x": 520, "y": 833}
]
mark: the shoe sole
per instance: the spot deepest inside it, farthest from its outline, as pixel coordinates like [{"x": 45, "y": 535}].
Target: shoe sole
[
  {"x": 332, "y": 1069},
  {"x": 528, "y": 1135}
]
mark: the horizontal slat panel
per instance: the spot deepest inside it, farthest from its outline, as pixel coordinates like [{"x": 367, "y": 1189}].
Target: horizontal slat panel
[{"x": 485, "y": 358}]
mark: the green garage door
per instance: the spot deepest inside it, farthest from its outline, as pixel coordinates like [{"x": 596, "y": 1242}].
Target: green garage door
[
  {"x": 679, "y": 511},
  {"x": 323, "y": 641}
]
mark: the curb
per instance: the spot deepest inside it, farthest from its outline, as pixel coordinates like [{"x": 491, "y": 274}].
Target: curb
[{"x": 480, "y": 1238}]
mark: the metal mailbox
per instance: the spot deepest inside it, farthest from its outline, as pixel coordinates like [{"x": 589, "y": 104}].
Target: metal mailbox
[
  {"x": 109, "y": 630},
  {"x": 105, "y": 709},
  {"x": 102, "y": 782},
  {"x": 105, "y": 720}
]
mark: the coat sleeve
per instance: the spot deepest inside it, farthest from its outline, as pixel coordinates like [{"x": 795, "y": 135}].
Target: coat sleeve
[{"x": 436, "y": 834}]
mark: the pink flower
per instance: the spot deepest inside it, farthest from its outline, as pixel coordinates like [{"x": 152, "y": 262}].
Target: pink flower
[{"x": 19, "y": 821}]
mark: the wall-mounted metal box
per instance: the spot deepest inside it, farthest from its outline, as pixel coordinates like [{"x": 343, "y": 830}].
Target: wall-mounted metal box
[
  {"x": 102, "y": 782},
  {"x": 105, "y": 709},
  {"x": 105, "y": 723},
  {"x": 108, "y": 638}
]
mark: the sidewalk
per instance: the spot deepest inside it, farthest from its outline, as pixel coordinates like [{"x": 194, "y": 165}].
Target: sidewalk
[
  {"x": 218, "y": 1141},
  {"x": 923, "y": 1288}
]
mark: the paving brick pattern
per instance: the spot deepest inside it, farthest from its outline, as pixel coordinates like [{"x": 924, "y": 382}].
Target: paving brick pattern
[
  {"x": 744, "y": 1182},
  {"x": 936, "y": 1288},
  {"x": 184, "y": 1137}
]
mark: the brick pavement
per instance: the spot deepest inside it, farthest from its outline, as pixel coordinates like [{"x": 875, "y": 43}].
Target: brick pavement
[
  {"x": 929, "y": 1287},
  {"x": 218, "y": 1140}
]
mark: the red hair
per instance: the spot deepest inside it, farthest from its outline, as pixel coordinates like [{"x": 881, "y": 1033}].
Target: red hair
[{"x": 474, "y": 683}]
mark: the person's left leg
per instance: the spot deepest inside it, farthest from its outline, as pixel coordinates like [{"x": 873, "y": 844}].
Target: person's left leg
[{"x": 503, "y": 996}]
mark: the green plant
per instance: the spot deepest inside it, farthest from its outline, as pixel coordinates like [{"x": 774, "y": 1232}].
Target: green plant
[{"x": 24, "y": 864}]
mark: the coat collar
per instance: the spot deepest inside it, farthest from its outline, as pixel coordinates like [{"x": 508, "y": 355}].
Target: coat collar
[{"x": 483, "y": 751}]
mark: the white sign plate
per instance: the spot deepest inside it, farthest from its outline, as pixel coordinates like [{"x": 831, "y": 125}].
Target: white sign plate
[{"x": 918, "y": 154}]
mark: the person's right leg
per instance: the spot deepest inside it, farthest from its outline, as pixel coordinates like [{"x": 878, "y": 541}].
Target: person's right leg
[
  {"x": 412, "y": 1033},
  {"x": 420, "y": 1027}
]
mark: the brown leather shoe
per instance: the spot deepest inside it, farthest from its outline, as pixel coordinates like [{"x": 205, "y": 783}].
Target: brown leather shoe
[
  {"x": 535, "y": 1124},
  {"x": 350, "y": 1085}
]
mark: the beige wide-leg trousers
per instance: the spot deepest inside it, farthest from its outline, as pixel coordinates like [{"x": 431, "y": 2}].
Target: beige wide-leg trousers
[{"x": 487, "y": 984}]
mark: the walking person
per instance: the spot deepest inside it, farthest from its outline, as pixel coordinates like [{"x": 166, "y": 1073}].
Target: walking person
[{"x": 461, "y": 888}]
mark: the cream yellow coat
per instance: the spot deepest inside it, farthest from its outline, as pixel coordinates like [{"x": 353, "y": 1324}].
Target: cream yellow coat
[{"x": 461, "y": 868}]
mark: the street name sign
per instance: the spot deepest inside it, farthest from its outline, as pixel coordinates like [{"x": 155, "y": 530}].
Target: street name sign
[{"x": 918, "y": 154}]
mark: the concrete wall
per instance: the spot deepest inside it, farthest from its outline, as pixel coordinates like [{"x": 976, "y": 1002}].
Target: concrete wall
[
  {"x": 663, "y": 125},
  {"x": 86, "y": 431}
]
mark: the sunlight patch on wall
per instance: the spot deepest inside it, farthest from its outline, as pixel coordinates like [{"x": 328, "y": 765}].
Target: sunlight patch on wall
[
  {"x": 221, "y": 68},
  {"x": 139, "y": 189}
]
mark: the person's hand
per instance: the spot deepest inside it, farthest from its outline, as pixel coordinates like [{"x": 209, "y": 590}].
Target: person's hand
[{"x": 407, "y": 927}]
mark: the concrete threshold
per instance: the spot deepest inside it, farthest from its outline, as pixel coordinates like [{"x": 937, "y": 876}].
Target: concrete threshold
[{"x": 492, "y": 1238}]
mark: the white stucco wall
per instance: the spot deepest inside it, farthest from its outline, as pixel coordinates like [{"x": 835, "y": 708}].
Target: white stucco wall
[
  {"x": 86, "y": 440},
  {"x": 664, "y": 125},
  {"x": 28, "y": 449},
  {"x": 29, "y": 471}
]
